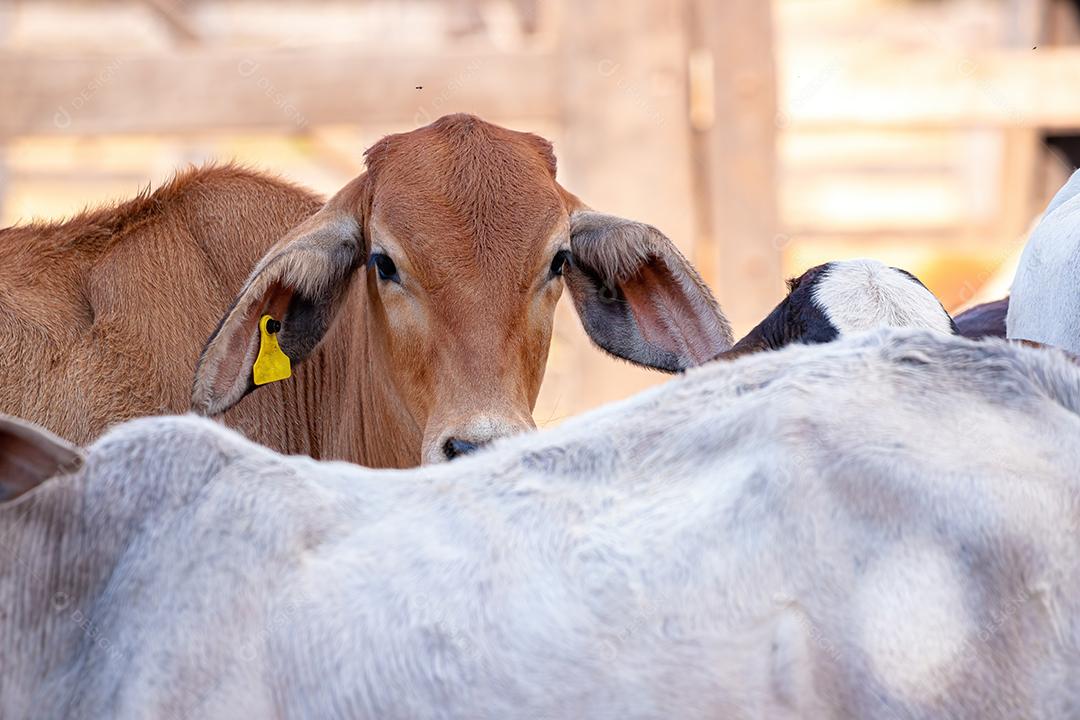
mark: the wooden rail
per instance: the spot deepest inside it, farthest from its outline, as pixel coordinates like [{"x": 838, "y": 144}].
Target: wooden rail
[
  {"x": 200, "y": 88},
  {"x": 1017, "y": 87},
  {"x": 203, "y": 88}
]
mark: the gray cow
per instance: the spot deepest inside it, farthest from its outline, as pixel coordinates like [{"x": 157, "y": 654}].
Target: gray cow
[{"x": 885, "y": 526}]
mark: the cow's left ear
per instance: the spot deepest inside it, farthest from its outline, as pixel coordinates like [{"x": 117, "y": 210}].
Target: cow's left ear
[
  {"x": 29, "y": 455},
  {"x": 639, "y": 298},
  {"x": 300, "y": 283}
]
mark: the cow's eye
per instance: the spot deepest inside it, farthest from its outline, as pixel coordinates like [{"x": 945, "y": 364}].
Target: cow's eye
[
  {"x": 558, "y": 262},
  {"x": 385, "y": 267}
]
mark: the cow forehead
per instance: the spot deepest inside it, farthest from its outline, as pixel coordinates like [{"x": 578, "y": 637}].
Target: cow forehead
[
  {"x": 463, "y": 189},
  {"x": 505, "y": 227}
]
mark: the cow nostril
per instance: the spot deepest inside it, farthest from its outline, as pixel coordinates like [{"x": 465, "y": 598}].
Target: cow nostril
[{"x": 453, "y": 448}]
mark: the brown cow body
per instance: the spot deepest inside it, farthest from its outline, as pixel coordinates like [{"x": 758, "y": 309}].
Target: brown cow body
[
  {"x": 103, "y": 316},
  {"x": 457, "y": 238}
]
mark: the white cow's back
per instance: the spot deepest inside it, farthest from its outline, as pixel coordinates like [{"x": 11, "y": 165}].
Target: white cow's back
[{"x": 880, "y": 527}]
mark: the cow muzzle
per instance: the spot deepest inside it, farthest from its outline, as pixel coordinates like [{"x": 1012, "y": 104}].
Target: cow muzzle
[
  {"x": 455, "y": 447},
  {"x": 468, "y": 437}
]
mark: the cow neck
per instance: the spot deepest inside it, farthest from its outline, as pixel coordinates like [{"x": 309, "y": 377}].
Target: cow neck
[{"x": 360, "y": 416}]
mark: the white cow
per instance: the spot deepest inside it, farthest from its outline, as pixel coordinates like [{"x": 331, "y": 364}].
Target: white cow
[
  {"x": 885, "y": 526},
  {"x": 1045, "y": 302}
]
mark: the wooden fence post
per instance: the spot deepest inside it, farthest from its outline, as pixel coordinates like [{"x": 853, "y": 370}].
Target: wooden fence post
[{"x": 734, "y": 127}]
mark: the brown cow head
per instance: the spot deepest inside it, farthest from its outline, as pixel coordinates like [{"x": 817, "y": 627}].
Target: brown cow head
[{"x": 462, "y": 240}]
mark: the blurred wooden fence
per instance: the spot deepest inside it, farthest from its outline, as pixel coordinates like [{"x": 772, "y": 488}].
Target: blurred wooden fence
[
  {"x": 733, "y": 125},
  {"x": 612, "y": 79}
]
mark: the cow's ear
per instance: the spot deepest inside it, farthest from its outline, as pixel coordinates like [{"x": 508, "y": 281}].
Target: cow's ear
[
  {"x": 300, "y": 283},
  {"x": 638, "y": 297},
  {"x": 30, "y": 455}
]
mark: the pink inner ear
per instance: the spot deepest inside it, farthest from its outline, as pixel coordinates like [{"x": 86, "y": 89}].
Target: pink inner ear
[
  {"x": 22, "y": 467},
  {"x": 668, "y": 318},
  {"x": 26, "y": 461}
]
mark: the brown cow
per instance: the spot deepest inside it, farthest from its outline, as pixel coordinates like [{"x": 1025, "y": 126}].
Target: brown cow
[
  {"x": 102, "y": 317},
  {"x": 461, "y": 239}
]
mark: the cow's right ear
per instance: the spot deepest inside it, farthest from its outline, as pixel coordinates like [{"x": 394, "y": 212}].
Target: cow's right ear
[
  {"x": 638, "y": 297},
  {"x": 29, "y": 455},
  {"x": 300, "y": 282}
]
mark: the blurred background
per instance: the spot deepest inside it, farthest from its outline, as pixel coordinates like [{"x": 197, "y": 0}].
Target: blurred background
[{"x": 762, "y": 137}]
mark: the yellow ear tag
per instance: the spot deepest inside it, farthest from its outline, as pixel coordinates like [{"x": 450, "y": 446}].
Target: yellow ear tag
[{"x": 272, "y": 364}]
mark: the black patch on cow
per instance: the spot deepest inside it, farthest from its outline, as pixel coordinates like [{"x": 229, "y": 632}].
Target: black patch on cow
[
  {"x": 986, "y": 320},
  {"x": 797, "y": 319}
]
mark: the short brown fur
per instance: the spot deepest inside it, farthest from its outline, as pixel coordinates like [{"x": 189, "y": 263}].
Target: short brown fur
[{"x": 105, "y": 314}]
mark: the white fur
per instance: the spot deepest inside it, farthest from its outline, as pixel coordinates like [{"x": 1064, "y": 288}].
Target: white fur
[
  {"x": 1044, "y": 305},
  {"x": 912, "y": 619},
  {"x": 860, "y": 295},
  {"x": 827, "y": 531}
]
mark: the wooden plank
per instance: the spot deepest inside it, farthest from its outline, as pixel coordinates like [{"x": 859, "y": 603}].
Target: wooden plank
[
  {"x": 1063, "y": 23},
  {"x": 205, "y": 88},
  {"x": 1023, "y": 146},
  {"x": 845, "y": 200},
  {"x": 1025, "y": 20},
  {"x": 737, "y": 174},
  {"x": 176, "y": 19},
  {"x": 1017, "y": 87},
  {"x": 625, "y": 147}
]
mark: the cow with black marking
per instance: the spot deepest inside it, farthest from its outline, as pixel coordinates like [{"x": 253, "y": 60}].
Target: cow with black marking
[{"x": 843, "y": 297}]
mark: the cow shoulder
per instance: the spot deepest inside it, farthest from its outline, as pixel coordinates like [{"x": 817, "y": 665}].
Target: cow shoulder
[{"x": 156, "y": 293}]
